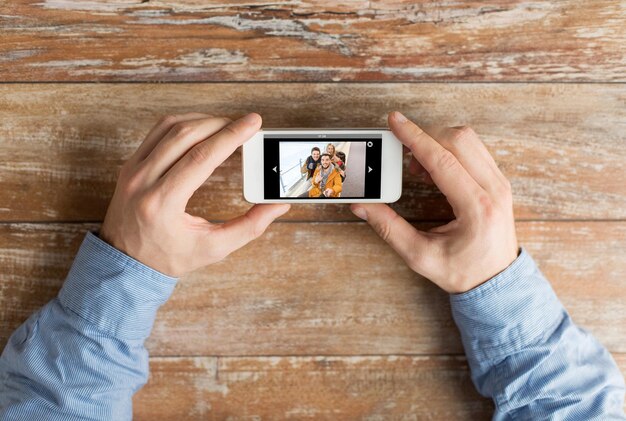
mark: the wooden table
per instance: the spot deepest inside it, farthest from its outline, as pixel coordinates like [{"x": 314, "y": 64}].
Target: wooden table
[{"x": 261, "y": 335}]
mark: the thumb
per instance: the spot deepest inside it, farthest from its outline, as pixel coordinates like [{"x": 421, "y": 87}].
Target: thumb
[
  {"x": 238, "y": 232},
  {"x": 407, "y": 241}
]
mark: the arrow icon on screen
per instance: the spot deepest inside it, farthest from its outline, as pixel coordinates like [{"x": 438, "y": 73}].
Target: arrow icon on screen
[{"x": 369, "y": 169}]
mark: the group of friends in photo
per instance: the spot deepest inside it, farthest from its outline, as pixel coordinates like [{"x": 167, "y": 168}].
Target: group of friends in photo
[{"x": 327, "y": 171}]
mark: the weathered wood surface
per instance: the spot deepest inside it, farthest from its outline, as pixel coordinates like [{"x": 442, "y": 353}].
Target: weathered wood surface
[
  {"x": 320, "y": 387},
  {"x": 139, "y": 40},
  {"x": 563, "y": 146},
  {"x": 256, "y": 336},
  {"x": 265, "y": 300}
]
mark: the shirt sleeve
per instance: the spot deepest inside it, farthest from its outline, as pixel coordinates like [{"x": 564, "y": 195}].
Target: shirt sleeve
[
  {"x": 525, "y": 352},
  {"x": 82, "y": 355}
]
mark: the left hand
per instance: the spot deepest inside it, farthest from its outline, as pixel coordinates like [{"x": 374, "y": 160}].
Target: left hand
[
  {"x": 328, "y": 192},
  {"x": 146, "y": 218}
]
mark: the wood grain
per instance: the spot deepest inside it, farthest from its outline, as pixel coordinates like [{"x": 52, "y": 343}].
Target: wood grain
[
  {"x": 266, "y": 300},
  {"x": 256, "y": 40},
  {"x": 563, "y": 146},
  {"x": 264, "y": 334},
  {"x": 320, "y": 388}
]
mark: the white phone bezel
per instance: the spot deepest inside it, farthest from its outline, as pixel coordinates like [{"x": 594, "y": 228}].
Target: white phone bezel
[{"x": 391, "y": 166}]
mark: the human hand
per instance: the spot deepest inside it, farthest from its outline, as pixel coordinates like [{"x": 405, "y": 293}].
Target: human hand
[
  {"x": 318, "y": 178},
  {"x": 146, "y": 218},
  {"x": 328, "y": 192},
  {"x": 481, "y": 241}
]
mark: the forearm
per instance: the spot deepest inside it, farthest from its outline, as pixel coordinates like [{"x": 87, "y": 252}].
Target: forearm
[
  {"x": 525, "y": 352},
  {"x": 82, "y": 356}
]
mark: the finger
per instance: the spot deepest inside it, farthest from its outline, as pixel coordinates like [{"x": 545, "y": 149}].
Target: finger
[
  {"x": 407, "y": 241},
  {"x": 238, "y": 232},
  {"x": 158, "y": 131},
  {"x": 193, "y": 169},
  {"x": 446, "y": 171},
  {"x": 471, "y": 153},
  {"x": 176, "y": 142},
  {"x": 416, "y": 169}
]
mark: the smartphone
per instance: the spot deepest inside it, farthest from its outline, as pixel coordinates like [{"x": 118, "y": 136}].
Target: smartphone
[{"x": 302, "y": 166}]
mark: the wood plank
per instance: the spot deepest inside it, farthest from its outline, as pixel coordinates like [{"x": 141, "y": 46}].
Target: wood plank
[
  {"x": 563, "y": 146},
  {"x": 266, "y": 299},
  {"x": 321, "y": 388},
  {"x": 138, "y": 40}
]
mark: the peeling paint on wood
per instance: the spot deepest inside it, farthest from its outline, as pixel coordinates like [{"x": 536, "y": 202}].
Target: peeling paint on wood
[
  {"x": 572, "y": 40},
  {"x": 373, "y": 340}
]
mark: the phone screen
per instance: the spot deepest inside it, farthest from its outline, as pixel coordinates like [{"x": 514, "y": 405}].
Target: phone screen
[{"x": 311, "y": 166}]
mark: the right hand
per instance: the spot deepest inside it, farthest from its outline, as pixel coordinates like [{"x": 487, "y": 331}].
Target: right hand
[{"x": 481, "y": 241}]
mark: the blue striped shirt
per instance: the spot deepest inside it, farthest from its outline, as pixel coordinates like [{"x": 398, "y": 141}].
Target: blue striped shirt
[{"x": 82, "y": 355}]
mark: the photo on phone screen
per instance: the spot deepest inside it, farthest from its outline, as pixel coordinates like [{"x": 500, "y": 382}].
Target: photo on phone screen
[{"x": 342, "y": 166}]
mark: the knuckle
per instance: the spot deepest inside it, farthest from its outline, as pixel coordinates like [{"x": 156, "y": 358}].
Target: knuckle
[
  {"x": 132, "y": 183},
  {"x": 199, "y": 154},
  {"x": 445, "y": 161},
  {"x": 384, "y": 228},
  {"x": 415, "y": 131},
  {"x": 182, "y": 129},
  {"x": 231, "y": 129},
  {"x": 485, "y": 206},
  {"x": 168, "y": 120},
  {"x": 463, "y": 133},
  {"x": 223, "y": 122},
  {"x": 148, "y": 207}
]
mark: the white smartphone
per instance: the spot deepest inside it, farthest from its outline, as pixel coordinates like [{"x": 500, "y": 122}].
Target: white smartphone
[{"x": 322, "y": 166}]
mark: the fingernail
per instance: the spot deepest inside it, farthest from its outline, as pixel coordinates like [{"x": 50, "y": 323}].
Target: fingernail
[
  {"x": 399, "y": 117},
  {"x": 252, "y": 119},
  {"x": 360, "y": 212}
]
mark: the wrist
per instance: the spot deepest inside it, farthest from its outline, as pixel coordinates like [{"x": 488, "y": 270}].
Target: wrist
[
  {"x": 133, "y": 290},
  {"x": 508, "y": 311},
  {"x": 503, "y": 264}
]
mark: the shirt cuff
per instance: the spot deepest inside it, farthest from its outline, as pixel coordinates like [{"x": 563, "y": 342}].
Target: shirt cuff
[
  {"x": 113, "y": 291},
  {"x": 511, "y": 311}
]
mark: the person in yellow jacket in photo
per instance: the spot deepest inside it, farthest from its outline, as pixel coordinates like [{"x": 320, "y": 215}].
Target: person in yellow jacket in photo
[{"x": 326, "y": 180}]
